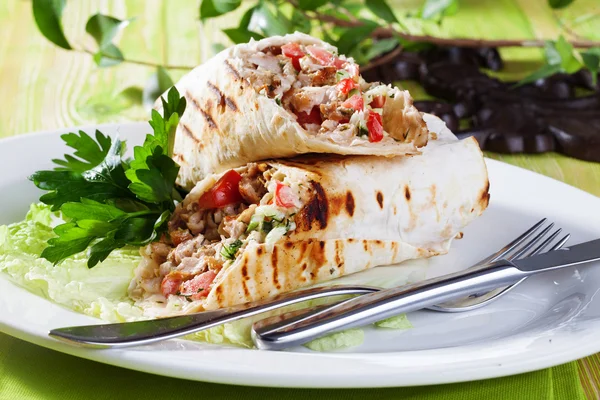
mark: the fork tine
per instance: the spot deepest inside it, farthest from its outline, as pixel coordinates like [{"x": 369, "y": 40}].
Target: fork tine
[
  {"x": 561, "y": 242},
  {"x": 531, "y": 243},
  {"x": 514, "y": 244},
  {"x": 545, "y": 243}
]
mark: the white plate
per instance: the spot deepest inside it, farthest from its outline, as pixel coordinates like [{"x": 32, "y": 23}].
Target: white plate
[{"x": 548, "y": 320}]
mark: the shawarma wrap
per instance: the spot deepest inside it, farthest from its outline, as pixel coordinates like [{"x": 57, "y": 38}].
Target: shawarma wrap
[
  {"x": 275, "y": 226},
  {"x": 283, "y": 96}
]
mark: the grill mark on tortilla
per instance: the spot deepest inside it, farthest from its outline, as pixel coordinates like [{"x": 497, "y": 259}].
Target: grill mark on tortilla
[
  {"x": 395, "y": 250},
  {"x": 288, "y": 245},
  {"x": 232, "y": 70},
  {"x": 274, "y": 257},
  {"x": 318, "y": 256},
  {"x": 222, "y": 98},
  {"x": 259, "y": 251},
  {"x": 407, "y": 193},
  {"x": 316, "y": 211},
  {"x": 379, "y": 197},
  {"x": 189, "y": 133},
  {"x": 208, "y": 118},
  {"x": 349, "y": 203},
  {"x": 338, "y": 257}
]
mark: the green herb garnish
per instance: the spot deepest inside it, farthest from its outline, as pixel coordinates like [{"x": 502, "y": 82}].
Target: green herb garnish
[
  {"x": 363, "y": 131},
  {"x": 111, "y": 201},
  {"x": 228, "y": 252}
]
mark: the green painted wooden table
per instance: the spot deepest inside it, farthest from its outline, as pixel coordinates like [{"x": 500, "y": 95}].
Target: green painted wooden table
[{"x": 43, "y": 87}]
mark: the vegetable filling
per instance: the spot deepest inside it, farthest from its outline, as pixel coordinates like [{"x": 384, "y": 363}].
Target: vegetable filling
[
  {"x": 208, "y": 232},
  {"x": 324, "y": 91}
]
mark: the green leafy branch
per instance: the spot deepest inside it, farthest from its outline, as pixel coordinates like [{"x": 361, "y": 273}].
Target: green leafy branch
[
  {"x": 364, "y": 29},
  {"x": 561, "y": 57}
]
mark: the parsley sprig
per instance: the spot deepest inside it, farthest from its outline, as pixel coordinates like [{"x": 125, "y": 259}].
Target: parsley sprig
[{"x": 110, "y": 201}]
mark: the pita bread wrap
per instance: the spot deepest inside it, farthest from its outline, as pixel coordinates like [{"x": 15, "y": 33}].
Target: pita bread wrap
[
  {"x": 250, "y": 103},
  {"x": 355, "y": 213}
]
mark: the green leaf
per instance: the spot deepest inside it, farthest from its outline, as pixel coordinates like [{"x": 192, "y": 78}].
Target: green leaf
[
  {"x": 300, "y": 23},
  {"x": 158, "y": 84},
  {"x": 108, "y": 56},
  {"x": 136, "y": 231},
  {"x": 214, "y": 8},
  {"x": 436, "y": 9},
  {"x": 563, "y": 54},
  {"x": 545, "y": 71},
  {"x": 56, "y": 252},
  {"x": 246, "y": 18},
  {"x": 559, "y": 3},
  {"x": 268, "y": 23},
  {"x": 311, "y": 5},
  {"x": 47, "y": 15},
  {"x": 90, "y": 152},
  {"x": 104, "y": 28},
  {"x": 133, "y": 94},
  {"x": 90, "y": 209},
  {"x": 241, "y": 35},
  {"x": 591, "y": 60},
  {"x": 228, "y": 252},
  {"x": 382, "y": 10},
  {"x": 380, "y": 47},
  {"x": 353, "y": 36}
]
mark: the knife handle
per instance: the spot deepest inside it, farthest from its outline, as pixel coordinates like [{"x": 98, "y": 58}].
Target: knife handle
[{"x": 283, "y": 332}]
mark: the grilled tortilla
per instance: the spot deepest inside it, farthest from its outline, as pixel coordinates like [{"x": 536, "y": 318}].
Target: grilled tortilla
[
  {"x": 283, "y": 96},
  {"x": 316, "y": 218}
]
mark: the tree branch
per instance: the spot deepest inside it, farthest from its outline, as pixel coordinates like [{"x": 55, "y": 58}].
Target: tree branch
[
  {"x": 385, "y": 32},
  {"x": 139, "y": 62}
]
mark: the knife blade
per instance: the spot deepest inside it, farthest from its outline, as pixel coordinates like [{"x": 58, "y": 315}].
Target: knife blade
[{"x": 370, "y": 308}]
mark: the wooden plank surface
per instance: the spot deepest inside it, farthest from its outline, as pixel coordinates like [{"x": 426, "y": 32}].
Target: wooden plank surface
[{"x": 43, "y": 87}]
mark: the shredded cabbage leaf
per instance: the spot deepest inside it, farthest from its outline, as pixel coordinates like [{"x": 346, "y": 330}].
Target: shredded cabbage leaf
[{"x": 101, "y": 292}]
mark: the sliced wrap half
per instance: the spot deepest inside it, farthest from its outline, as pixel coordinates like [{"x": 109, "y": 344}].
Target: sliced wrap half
[
  {"x": 314, "y": 219},
  {"x": 283, "y": 96}
]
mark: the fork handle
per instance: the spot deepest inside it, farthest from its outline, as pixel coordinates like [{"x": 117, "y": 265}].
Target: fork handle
[{"x": 282, "y": 333}]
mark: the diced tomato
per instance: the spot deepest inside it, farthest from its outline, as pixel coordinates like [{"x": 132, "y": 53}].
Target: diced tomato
[
  {"x": 284, "y": 197},
  {"x": 339, "y": 64},
  {"x": 375, "y": 127},
  {"x": 378, "y": 102},
  {"x": 323, "y": 57},
  {"x": 355, "y": 102},
  {"x": 293, "y": 51},
  {"x": 171, "y": 283},
  {"x": 314, "y": 117},
  {"x": 199, "y": 286},
  {"x": 226, "y": 191},
  {"x": 346, "y": 85},
  {"x": 352, "y": 70}
]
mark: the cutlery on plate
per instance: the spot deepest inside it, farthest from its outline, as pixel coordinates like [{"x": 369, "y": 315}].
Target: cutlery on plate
[
  {"x": 146, "y": 332},
  {"x": 279, "y": 333}
]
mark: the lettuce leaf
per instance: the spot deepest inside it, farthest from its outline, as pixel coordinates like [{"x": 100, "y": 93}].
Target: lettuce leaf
[{"x": 348, "y": 338}]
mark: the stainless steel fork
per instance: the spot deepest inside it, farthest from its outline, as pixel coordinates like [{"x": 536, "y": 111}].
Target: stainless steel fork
[{"x": 518, "y": 248}]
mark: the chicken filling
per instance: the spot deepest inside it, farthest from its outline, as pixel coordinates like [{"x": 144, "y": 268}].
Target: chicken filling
[
  {"x": 208, "y": 233},
  {"x": 324, "y": 91}
]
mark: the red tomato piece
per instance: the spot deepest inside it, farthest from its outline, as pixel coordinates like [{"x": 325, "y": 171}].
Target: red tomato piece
[
  {"x": 199, "y": 286},
  {"x": 346, "y": 85},
  {"x": 355, "y": 102},
  {"x": 284, "y": 197},
  {"x": 323, "y": 57},
  {"x": 226, "y": 191},
  {"x": 293, "y": 51},
  {"x": 375, "y": 127},
  {"x": 314, "y": 117},
  {"x": 171, "y": 283},
  {"x": 378, "y": 102}
]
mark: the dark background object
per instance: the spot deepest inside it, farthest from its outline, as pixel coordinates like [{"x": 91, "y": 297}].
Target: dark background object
[{"x": 547, "y": 115}]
